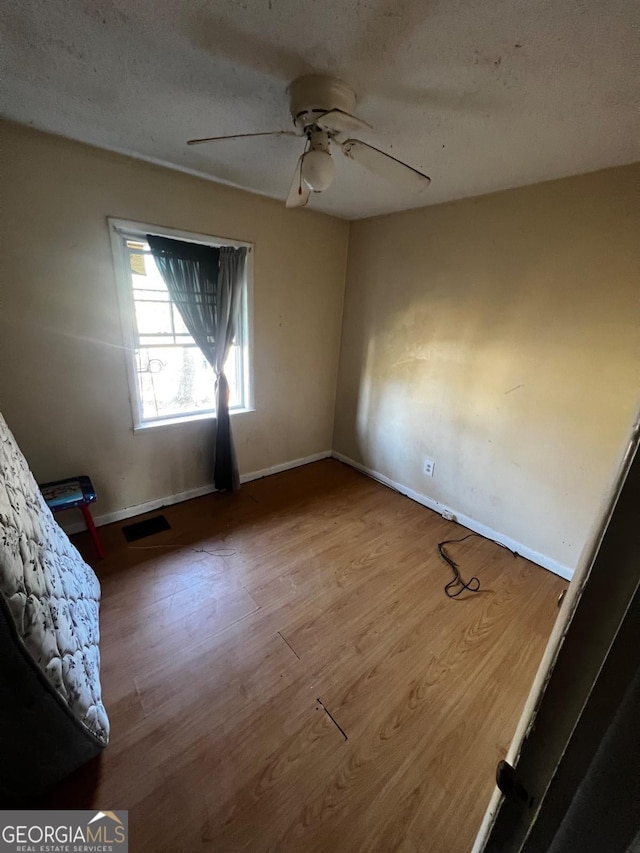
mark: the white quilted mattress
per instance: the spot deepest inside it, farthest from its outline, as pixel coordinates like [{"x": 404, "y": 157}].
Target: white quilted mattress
[{"x": 52, "y": 594}]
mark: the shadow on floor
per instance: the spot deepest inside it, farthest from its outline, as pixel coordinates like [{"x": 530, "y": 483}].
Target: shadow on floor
[{"x": 79, "y": 788}]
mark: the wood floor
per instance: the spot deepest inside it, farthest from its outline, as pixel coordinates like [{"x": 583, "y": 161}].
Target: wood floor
[{"x": 283, "y": 672}]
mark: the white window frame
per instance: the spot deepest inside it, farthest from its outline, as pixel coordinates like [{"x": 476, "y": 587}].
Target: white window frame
[{"x": 121, "y": 229}]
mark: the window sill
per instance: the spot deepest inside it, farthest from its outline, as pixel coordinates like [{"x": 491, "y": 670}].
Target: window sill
[{"x": 168, "y": 423}]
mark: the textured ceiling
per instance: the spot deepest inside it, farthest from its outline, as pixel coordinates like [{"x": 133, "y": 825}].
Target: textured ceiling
[{"x": 480, "y": 95}]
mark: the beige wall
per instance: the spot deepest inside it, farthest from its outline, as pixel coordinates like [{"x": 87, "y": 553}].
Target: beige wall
[
  {"x": 499, "y": 336},
  {"x": 63, "y": 383}
]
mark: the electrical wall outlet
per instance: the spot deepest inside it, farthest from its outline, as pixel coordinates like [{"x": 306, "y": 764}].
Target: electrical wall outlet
[{"x": 428, "y": 467}]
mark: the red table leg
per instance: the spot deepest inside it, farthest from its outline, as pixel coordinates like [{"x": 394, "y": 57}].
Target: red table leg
[{"x": 92, "y": 530}]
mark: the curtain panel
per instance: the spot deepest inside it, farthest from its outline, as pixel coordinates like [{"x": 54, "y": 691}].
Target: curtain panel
[{"x": 205, "y": 283}]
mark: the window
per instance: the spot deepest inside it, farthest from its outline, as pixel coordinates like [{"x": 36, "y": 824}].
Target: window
[{"x": 170, "y": 380}]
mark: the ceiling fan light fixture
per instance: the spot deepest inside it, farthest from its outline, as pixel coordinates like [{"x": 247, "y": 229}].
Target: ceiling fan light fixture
[
  {"x": 322, "y": 110},
  {"x": 318, "y": 170}
]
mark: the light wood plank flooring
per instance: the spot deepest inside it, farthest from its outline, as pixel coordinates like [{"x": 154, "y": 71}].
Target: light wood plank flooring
[{"x": 283, "y": 672}]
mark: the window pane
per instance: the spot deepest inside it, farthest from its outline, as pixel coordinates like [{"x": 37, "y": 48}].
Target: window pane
[
  {"x": 153, "y": 278},
  {"x": 231, "y": 372},
  {"x": 179, "y": 326},
  {"x": 155, "y": 340},
  {"x": 153, "y": 318},
  {"x": 175, "y": 380},
  {"x": 150, "y": 295}
]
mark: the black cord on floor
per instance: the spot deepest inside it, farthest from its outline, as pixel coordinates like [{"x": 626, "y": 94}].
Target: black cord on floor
[{"x": 473, "y": 585}]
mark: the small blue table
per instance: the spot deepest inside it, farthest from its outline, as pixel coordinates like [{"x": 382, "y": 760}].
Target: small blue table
[{"x": 70, "y": 493}]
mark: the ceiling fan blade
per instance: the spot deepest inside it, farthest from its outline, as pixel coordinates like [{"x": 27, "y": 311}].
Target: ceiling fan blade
[
  {"x": 385, "y": 165},
  {"x": 299, "y": 192},
  {"x": 241, "y": 136},
  {"x": 341, "y": 122}
]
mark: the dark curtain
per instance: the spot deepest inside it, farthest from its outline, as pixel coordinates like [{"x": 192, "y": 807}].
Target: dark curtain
[
  {"x": 231, "y": 279},
  {"x": 205, "y": 284}
]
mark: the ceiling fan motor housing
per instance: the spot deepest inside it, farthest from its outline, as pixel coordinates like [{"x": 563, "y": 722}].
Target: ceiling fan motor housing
[{"x": 314, "y": 94}]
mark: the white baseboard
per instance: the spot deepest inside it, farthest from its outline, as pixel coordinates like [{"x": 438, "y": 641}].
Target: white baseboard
[
  {"x": 130, "y": 511},
  {"x": 462, "y": 519},
  {"x": 138, "y": 509},
  {"x": 285, "y": 466}
]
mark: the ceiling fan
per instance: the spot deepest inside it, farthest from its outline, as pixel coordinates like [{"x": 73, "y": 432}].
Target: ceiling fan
[{"x": 322, "y": 111}]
